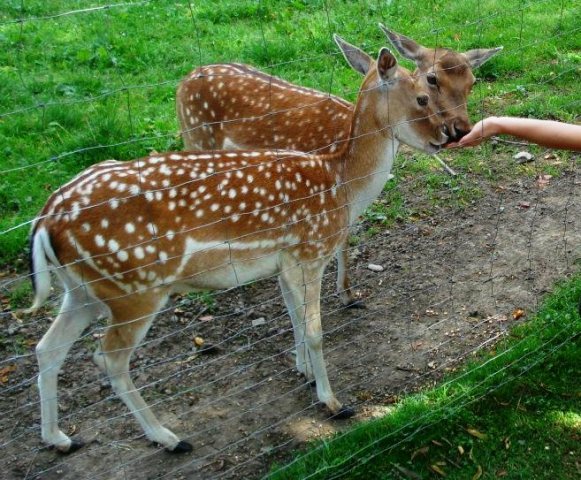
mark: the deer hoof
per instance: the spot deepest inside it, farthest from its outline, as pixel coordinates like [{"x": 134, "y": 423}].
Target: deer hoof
[
  {"x": 357, "y": 303},
  {"x": 181, "y": 447},
  {"x": 73, "y": 447},
  {"x": 343, "y": 413}
]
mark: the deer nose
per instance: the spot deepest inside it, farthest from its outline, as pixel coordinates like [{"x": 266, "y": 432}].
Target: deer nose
[
  {"x": 457, "y": 130},
  {"x": 460, "y": 133}
]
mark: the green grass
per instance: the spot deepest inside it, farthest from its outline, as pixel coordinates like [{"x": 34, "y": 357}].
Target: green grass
[
  {"x": 77, "y": 89},
  {"x": 513, "y": 413}
]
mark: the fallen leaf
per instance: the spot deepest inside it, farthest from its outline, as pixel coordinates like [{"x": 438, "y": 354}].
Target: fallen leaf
[
  {"x": 461, "y": 449},
  {"x": 207, "y": 318},
  {"x": 543, "y": 180},
  {"x": 524, "y": 205},
  {"x": 478, "y": 473},
  {"x": 420, "y": 451},
  {"x": 417, "y": 345},
  {"x": 5, "y": 373},
  {"x": 438, "y": 470},
  {"x": 501, "y": 473},
  {"x": 432, "y": 364},
  {"x": 198, "y": 341},
  {"x": 518, "y": 313},
  {"x": 506, "y": 441},
  {"x": 476, "y": 433}
]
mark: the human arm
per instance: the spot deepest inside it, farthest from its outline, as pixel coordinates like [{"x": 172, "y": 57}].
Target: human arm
[{"x": 547, "y": 133}]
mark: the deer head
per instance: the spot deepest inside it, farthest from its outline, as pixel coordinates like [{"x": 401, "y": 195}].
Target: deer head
[
  {"x": 447, "y": 75},
  {"x": 401, "y": 106}
]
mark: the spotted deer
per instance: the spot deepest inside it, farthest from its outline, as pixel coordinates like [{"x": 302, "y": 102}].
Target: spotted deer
[
  {"x": 123, "y": 236},
  {"x": 234, "y": 106}
]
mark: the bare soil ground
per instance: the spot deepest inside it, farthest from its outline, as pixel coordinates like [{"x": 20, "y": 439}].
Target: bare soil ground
[{"x": 450, "y": 286}]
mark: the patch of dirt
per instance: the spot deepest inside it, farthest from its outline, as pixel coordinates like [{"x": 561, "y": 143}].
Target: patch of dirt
[{"x": 449, "y": 286}]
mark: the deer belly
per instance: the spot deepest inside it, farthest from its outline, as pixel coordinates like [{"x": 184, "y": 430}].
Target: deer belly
[{"x": 226, "y": 265}]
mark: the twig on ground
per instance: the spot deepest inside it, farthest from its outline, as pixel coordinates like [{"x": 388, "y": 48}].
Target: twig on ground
[{"x": 446, "y": 167}]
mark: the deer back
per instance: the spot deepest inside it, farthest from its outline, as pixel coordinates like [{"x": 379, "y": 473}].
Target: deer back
[{"x": 234, "y": 106}]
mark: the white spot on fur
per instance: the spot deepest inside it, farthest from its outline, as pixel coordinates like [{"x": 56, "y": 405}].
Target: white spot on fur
[{"x": 113, "y": 245}]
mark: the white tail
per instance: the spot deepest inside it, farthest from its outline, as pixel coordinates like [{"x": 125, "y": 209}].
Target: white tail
[
  {"x": 233, "y": 106},
  {"x": 128, "y": 234}
]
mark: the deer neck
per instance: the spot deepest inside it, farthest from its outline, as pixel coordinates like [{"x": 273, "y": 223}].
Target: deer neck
[{"x": 369, "y": 156}]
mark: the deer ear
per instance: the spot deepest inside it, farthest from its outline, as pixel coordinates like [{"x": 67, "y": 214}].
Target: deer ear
[
  {"x": 481, "y": 55},
  {"x": 386, "y": 64},
  {"x": 357, "y": 58},
  {"x": 404, "y": 45}
]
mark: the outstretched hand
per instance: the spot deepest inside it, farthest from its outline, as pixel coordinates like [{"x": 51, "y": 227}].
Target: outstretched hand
[
  {"x": 547, "y": 133},
  {"x": 480, "y": 131}
]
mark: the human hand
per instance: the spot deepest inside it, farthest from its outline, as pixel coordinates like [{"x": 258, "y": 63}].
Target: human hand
[{"x": 480, "y": 131}]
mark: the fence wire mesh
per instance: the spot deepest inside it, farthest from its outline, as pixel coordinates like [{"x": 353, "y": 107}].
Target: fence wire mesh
[{"x": 443, "y": 265}]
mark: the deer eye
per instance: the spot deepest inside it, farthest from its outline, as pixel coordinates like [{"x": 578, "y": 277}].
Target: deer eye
[
  {"x": 423, "y": 100},
  {"x": 432, "y": 80}
]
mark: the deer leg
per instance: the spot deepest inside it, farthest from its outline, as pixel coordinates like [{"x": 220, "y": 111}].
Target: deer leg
[
  {"x": 75, "y": 315},
  {"x": 305, "y": 288},
  {"x": 129, "y": 327},
  {"x": 303, "y": 361},
  {"x": 343, "y": 284}
]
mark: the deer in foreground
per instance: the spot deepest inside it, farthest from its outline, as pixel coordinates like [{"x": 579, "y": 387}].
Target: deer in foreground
[
  {"x": 123, "y": 236},
  {"x": 234, "y": 106}
]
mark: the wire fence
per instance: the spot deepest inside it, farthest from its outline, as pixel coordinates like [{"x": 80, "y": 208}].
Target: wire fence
[{"x": 477, "y": 252}]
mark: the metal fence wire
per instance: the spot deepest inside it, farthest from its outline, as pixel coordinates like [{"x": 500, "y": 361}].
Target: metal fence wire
[{"x": 464, "y": 259}]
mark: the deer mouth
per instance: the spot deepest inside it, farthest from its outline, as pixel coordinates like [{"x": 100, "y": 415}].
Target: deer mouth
[{"x": 434, "y": 147}]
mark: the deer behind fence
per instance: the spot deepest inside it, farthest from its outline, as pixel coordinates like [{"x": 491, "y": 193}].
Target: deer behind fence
[
  {"x": 234, "y": 106},
  {"x": 123, "y": 236}
]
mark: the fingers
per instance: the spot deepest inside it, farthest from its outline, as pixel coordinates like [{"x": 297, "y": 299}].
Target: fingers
[{"x": 470, "y": 140}]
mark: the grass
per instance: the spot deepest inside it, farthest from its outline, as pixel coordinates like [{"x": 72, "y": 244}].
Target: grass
[
  {"x": 77, "y": 89},
  {"x": 81, "y": 88},
  {"x": 513, "y": 413}
]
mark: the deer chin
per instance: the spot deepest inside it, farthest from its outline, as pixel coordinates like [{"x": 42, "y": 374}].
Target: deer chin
[
  {"x": 432, "y": 147},
  {"x": 427, "y": 147}
]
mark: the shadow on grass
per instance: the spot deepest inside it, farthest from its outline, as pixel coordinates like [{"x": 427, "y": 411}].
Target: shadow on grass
[{"x": 513, "y": 413}]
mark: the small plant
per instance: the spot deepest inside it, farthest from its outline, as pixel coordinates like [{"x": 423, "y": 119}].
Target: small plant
[
  {"x": 21, "y": 296},
  {"x": 207, "y": 299}
]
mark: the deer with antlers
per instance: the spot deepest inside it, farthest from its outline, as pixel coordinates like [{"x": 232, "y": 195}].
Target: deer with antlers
[
  {"x": 234, "y": 106},
  {"x": 123, "y": 236}
]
